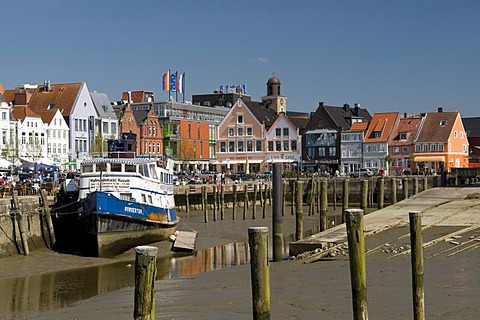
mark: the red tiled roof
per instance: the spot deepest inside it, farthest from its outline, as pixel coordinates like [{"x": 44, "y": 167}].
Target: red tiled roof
[
  {"x": 359, "y": 126},
  {"x": 21, "y": 112},
  {"x": 383, "y": 123},
  {"x": 61, "y": 95},
  {"x": 410, "y": 126}
]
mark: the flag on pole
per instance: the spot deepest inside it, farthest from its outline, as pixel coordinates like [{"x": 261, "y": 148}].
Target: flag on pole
[
  {"x": 166, "y": 81},
  {"x": 180, "y": 83},
  {"x": 173, "y": 81}
]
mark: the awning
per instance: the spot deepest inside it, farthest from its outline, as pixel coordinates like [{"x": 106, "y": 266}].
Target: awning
[
  {"x": 429, "y": 159},
  {"x": 255, "y": 161}
]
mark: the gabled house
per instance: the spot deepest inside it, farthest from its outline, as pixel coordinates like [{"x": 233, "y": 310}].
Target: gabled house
[
  {"x": 322, "y": 135},
  {"x": 402, "y": 144},
  {"x": 254, "y": 135},
  {"x": 441, "y": 143},
  {"x": 472, "y": 130},
  {"x": 375, "y": 145},
  {"x": 32, "y": 133},
  {"x": 5, "y": 138},
  {"x": 145, "y": 127},
  {"x": 74, "y": 102},
  {"x": 352, "y": 148}
]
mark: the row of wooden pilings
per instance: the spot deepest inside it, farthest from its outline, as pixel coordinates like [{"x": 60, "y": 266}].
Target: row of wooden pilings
[{"x": 145, "y": 270}]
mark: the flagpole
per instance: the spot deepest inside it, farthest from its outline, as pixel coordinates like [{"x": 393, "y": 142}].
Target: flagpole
[{"x": 183, "y": 91}]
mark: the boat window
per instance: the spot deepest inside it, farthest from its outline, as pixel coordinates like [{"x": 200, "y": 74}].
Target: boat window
[
  {"x": 144, "y": 199},
  {"x": 126, "y": 196},
  {"x": 100, "y": 167},
  {"x": 130, "y": 168},
  {"x": 150, "y": 199},
  {"x": 153, "y": 172},
  {"x": 88, "y": 168},
  {"x": 116, "y": 167},
  {"x": 144, "y": 170}
]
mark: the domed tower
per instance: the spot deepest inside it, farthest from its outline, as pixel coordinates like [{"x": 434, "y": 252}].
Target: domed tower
[{"x": 273, "y": 99}]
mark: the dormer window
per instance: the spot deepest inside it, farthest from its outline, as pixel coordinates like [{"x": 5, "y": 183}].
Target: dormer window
[
  {"x": 443, "y": 123},
  {"x": 377, "y": 134},
  {"x": 403, "y": 136},
  {"x": 51, "y": 106}
]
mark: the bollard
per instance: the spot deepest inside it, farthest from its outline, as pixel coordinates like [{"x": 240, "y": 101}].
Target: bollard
[
  {"x": 254, "y": 206},
  {"x": 260, "y": 274},
  {"x": 356, "y": 253},
  {"x": 381, "y": 192},
  {"x": 364, "y": 195},
  {"x": 145, "y": 274},
  {"x": 277, "y": 212},
  {"x": 417, "y": 265},
  {"x": 425, "y": 183},
  {"x": 299, "y": 212},
  {"x": 415, "y": 185},
  {"x": 324, "y": 205},
  {"x": 393, "y": 185},
  {"x": 405, "y": 188},
  {"x": 234, "y": 208},
  {"x": 284, "y": 188},
  {"x": 319, "y": 197},
  {"x": 346, "y": 193}
]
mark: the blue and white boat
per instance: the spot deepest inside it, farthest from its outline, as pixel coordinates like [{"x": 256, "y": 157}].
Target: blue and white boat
[{"x": 122, "y": 203}]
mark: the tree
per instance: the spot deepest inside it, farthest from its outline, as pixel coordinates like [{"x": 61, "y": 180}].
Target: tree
[
  {"x": 99, "y": 146},
  {"x": 10, "y": 151},
  {"x": 33, "y": 149}
]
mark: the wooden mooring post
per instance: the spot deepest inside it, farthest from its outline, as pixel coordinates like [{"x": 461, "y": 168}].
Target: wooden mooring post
[
  {"x": 254, "y": 202},
  {"x": 204, "y": 204},
  {"x": 277, "y": 212},
  {"x": 222, "y": 202},
  {"x": 417, "y": 265},
  {"x": 393, "y": 186},
  {"x": 358, "y": 271},
  {"x": 346, "y": 194},
  {"x": 364, "y": 195},
  {"x": 260, "y": 273},
  {"x": 234, "y": 207},
  {"x": 145, "y": 274},
  {"x": 245, "y": 201},
  {"x": 299, "y": 211},
  {"x": 381, "y": 192},
  {"x": 324, "y": 205},
  {"x": 405, "y": 188},
  {"x": 18, "y": 217},
  {"x": 46, "y": 219}
]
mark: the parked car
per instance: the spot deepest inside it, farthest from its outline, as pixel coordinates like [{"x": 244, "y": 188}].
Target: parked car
[
  {"x": 265, "y": 175},
  {"x": 363, "y": 172}
]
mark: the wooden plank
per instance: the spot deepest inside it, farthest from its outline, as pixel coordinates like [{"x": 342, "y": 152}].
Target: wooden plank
[{"x": 185, "y": 241}]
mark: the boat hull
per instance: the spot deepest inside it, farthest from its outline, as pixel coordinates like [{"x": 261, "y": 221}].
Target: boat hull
[{"x": 105, "y": 226}]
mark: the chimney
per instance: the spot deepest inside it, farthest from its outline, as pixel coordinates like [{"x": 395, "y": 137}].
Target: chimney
[
  {"x": 129, "y": 96},
  {"x": 357, "y": 109},
  {"x": 346, "y": 107},
  {"x": 321, "y": 104},
  {"x": 46, "y": 86},
  {"x": 405, "y": 115},
  {"x": 440, "y": 109}
]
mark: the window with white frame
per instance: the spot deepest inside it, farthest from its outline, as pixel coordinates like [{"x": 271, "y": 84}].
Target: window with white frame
[
  {"x": 240, "y": 131},
  {"x": 403, "y": 136},
  {"x": 464, "y": 148},
  {"x": 249, "y": 131},
  {"x": 455, "y": 134},
  {"x": 223, "y": 146},
  {"x": 240, "y": 146},
  {"x": 332, "y": 151},
  {"x": 440, "y": 147},
  {"x": 461, "y": 134},
  {"x": 231, "y": 146},
  {"x": 396, "y": 149},
  {"x": 294, "y": 145},
  {"x": 286, "y": 145},
  {"x": 432, "y": 147},
  {"x": 249, "y": 145},
  {"x": 285, "y": 132},
  {"x": 258, "y": 145},
  {"x": 425, "y": 147},
  {"x": 231, "y": 132},
  {"x": 278, "y": 146},
  {"x": 240, "y": 118},
  {"x": 278, "y": 132},
  {"x": 417, "y": 148},
  {"x": 405, "y": 149}
]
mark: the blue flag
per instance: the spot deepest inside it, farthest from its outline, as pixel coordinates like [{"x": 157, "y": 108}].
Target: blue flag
[{"x": 173, "y": 81}]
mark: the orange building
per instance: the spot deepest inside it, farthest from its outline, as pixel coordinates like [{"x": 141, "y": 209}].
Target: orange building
[{"x": 442, "y": 142}]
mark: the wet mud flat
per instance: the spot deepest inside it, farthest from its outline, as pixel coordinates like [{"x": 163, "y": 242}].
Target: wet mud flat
[{"x": 313, "y": 290}]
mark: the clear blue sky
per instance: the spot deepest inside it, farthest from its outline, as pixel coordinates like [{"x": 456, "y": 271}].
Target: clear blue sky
[{"x": 406, "y": 56}]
